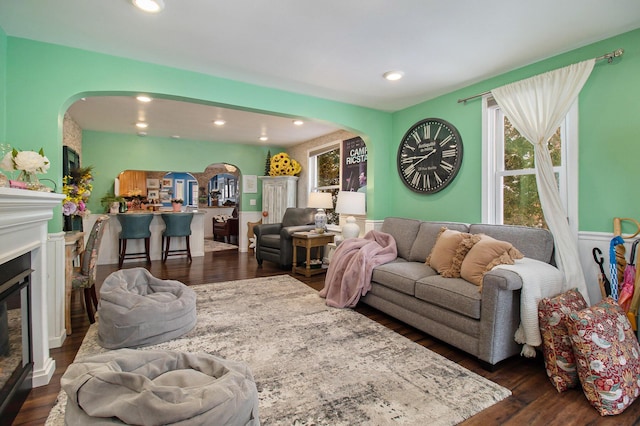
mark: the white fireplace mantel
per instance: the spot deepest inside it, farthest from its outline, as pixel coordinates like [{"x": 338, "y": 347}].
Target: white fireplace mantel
[{"x": 23, "y": 228}]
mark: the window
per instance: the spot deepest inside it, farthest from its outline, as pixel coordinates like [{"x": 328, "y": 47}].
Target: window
[
  {"x": 510, "y": 194},
  {"x": 324, "y": 173}
]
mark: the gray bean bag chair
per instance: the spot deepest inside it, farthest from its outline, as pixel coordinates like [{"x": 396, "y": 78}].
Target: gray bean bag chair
[
  {"x": 146, "y": 387},
  {"x": 137, "y": 309}
]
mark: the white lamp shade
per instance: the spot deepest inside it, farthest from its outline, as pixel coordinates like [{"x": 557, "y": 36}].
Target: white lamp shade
[
  {"x": 351, "y": 203},
  {"x": 320, "y": 200}
]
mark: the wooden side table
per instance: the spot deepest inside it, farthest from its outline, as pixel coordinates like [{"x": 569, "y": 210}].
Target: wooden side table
[
  {"x": 309, "y": 240},
  {"x": 73, "y": 247}
]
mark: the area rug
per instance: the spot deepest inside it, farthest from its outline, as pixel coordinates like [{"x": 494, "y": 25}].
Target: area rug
[
  {"x": 212, "y": 245},
  {"x": 316, "y": 365}
]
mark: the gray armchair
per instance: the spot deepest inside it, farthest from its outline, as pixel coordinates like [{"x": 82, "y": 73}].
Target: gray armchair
[{"x": 274, "y": 241}]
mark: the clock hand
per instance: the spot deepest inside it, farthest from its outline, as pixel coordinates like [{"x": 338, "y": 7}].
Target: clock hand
[{"x": 420, "y": 157}]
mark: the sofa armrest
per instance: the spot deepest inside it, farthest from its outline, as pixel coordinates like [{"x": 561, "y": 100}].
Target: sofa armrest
[
  {"x": 499, "y": 316},
  {"x": 503, "y": 279},
  {"x": 266, "y": 228},
  {"x": 287, "y": 232}
]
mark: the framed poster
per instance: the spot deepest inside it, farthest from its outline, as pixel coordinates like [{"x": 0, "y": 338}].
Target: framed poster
[
  {"x": 167, "y": 183},
  {"x": 153, "y": 183},
  {"x": 165, "y": 197},
  {"x": 354, "y": 165},
  {"x": 153, "y": 194},
  {"x": 250, "y": 184}
]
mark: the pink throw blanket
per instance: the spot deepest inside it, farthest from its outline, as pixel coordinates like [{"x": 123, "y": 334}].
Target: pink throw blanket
[{"x": 349, "y": 274}]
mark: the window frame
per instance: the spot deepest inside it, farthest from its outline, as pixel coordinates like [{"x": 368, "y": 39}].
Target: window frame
[
  {"x": 312, "y": 163},
  {"x": 493, "y": 147}
]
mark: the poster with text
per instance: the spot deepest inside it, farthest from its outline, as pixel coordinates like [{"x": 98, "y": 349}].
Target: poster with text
[{"x": 354, "y": 165}]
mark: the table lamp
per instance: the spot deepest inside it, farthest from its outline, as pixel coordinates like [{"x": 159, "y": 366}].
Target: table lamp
[
  {"x": 320, "y": 201},
  {"x": 351, "y": 203}
]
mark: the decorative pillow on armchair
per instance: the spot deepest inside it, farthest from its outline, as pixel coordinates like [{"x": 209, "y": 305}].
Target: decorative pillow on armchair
[
  {"x": 448, "y": 252},
  {"x": 559, "y": 360},
  {"x": 486, "y": 253},
  {"x": 607, "y": 356}
]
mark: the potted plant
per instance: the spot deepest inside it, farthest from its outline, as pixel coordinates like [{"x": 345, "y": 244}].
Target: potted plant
[
  {"x": 111, "y": 202},
  {"x": 177, "y": 204}
]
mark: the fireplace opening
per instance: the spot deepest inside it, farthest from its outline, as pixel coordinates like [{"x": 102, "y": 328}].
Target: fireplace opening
[{"x": 16, "y": 349}]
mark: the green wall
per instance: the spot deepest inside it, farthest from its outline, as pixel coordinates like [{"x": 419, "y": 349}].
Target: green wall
[
  {"x": 163, "y": 154},
  {"x": 609, "y": 134},
  {"x": 42, "y": 80},
  {"x": 3, "y": 84}
]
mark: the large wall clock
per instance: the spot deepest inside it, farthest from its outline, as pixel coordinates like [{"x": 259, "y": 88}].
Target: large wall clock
[{"x": 430, "y": 155}]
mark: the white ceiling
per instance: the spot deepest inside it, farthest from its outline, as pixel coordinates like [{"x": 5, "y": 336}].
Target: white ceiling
[
  {"x": 187, "y": 120},
  {"x": 334, "y": 49}
]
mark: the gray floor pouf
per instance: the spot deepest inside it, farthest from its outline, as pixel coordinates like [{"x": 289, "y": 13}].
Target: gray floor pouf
[
  {"x": 138, "y": 309},
  {"x": 147, "y": 387}
]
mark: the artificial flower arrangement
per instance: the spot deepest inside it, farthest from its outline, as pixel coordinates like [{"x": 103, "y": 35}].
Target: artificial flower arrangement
[
  {"x": 177, "y": 201},
  {"x": 25, "y": 161},
  {"x": 283, "y": 165},
  {"x": 77, "y": 187}
]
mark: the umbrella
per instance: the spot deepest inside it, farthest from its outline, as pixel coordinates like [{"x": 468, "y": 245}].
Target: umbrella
[
  {"x": 603, "y": 281},
  {"x": 629, "y": 280},
  {"x": 613, "y": 267}
]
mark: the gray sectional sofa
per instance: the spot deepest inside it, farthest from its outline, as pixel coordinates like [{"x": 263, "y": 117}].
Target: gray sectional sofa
[{"x": 452, "y": 309}]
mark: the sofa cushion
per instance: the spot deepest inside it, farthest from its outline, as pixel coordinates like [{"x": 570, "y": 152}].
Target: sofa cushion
[
  {"x": 607, "y": 356},
  {"x": 486, "y": 253},
  {"x": 534, "y": 243},
  {"x": 454, "y": 294},
  {"x": 559, "y": 359},
  {"x": 427, "y": 236},
  {"x": 449, "y": 251},
  {"x": 401, "y": 275},
  {"x": 404, "y": 231}
]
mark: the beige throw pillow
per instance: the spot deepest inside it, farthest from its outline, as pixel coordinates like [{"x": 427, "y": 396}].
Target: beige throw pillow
[
  {"x": 486, "y": 253},
  {"x": 448, "y": 252}
]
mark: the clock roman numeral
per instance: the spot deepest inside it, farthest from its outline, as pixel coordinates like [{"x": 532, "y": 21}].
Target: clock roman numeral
[
  {"x": 448, "y": 167},
  {"x": 409, "y": 170},
  {"x": 446, "y": 140},
  {"x": 416, "y": 137},
  {"x": 416, "y": 179},
  {"x": 437, "y": 178},
  {"x": 449, "y": 153},
  {"x": 437, "y": 133},
  {"x": 427, "y": 132}
]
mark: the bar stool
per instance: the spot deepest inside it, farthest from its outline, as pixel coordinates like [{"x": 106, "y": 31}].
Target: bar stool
[
  {"x": 177, "y": 225},
  {"x": 135, "y": 226}
]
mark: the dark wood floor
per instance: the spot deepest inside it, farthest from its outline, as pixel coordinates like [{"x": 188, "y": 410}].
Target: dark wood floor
[{"x": 534, "y": 401}]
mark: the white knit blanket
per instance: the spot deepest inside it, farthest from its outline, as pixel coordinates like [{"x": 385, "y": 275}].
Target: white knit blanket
[{"x": 539, "y": 280}]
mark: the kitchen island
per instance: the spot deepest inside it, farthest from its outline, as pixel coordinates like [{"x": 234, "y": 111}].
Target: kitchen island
[{"x": 109, "y": 246}]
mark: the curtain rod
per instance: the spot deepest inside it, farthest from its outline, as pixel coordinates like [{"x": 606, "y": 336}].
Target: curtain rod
[{"x": 608, "y": 56}]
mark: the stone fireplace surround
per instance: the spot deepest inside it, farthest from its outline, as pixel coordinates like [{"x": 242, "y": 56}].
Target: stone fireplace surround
[{"x": 23, "y": 229}]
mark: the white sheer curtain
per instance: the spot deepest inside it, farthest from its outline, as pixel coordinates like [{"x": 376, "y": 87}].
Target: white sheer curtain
[{"x": 536, "y": 107}]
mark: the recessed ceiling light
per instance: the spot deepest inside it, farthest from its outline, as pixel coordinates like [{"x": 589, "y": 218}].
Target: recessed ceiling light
[
  {"x": 219, "y": 122},
  {"x": 393, "y": 75},
  {"x": 264, "y": 138},
  {"x": 142, "y": 125},
  {"x": 143, "y": 98},
  {"x": 151, "y": 6},
  {"x": 175, "y": 136},
  {"x": 142, "y": 133},
  {"x": 298, "y": 122}
]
